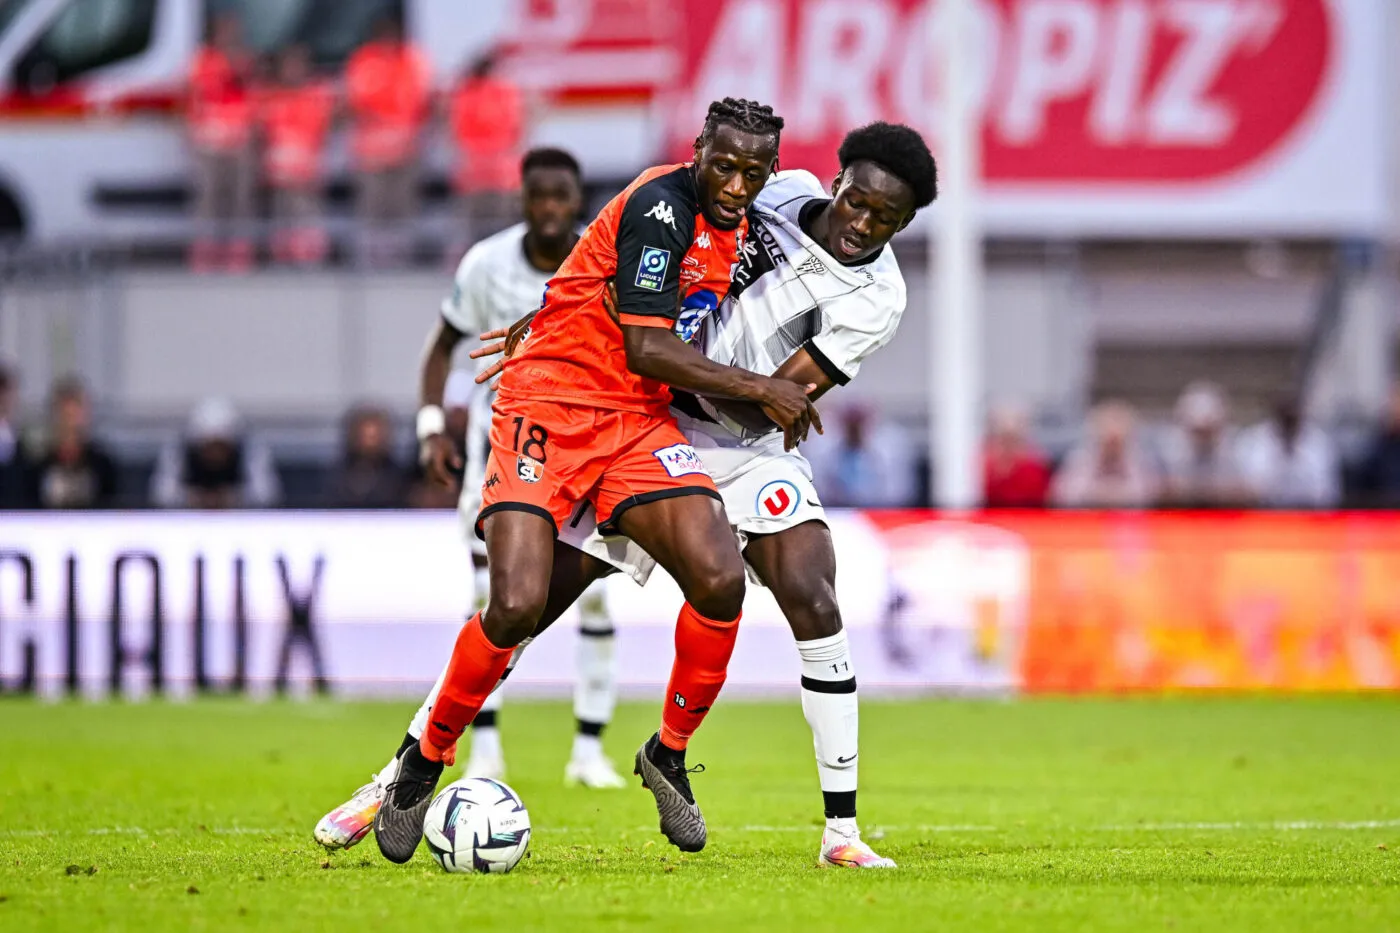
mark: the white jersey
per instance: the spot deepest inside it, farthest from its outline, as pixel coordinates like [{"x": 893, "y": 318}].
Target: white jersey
[
  {"x": 494, "y": 287},
  {"x": 788, "y": 293}
]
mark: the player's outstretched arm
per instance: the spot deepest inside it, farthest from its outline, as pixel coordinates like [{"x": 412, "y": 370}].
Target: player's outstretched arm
[{"x": 436, "y": 451}]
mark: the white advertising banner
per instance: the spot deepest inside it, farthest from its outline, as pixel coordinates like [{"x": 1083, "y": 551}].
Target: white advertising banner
[{"x": 99, "y": 603}]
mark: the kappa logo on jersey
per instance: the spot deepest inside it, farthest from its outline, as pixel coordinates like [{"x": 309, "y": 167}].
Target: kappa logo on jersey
[
  {"x": 680, "y": 460},
  {"x": 703, "y": 240},
  {"x": 651, "y": 271},
  {"x": 663, "y": 213},
  {"x": 529, "y": 469},
  {"x": 694, "y": 309},
  {"x": 778, "y": 499}
]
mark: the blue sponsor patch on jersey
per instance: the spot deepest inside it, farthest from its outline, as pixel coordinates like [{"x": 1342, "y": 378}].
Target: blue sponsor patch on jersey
[
  {"x": 651, "y": 271},
  {"x": 694, "y": 309}
]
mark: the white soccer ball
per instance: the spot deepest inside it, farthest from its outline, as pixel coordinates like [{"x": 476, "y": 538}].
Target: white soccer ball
[{"x": 477, "y": 824}]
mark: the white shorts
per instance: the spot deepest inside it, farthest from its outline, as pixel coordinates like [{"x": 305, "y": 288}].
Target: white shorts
[{"x": 765, "y": 490}]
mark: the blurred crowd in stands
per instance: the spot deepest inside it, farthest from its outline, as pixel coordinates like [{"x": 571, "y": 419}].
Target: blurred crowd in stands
[
  {"x": 1202, "y": 458},
  {"x": 262, "y": 126},
  {"x": 1199, "y": 458}
]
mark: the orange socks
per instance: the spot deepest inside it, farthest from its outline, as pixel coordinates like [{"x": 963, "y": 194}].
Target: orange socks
[
  {"x": 472, "y": 674},
  {"x": 703, "y": 647}
]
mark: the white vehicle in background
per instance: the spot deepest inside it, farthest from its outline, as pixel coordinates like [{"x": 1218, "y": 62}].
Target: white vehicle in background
[{"x": 92, "y": 144}]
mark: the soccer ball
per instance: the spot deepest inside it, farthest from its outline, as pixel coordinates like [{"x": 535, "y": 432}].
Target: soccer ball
[{"x": 477, "y": 824}]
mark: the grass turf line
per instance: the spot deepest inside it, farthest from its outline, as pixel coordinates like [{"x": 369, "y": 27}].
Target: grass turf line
[{"x": 1054, "y": 815}]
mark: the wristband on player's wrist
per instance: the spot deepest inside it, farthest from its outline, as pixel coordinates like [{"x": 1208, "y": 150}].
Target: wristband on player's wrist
[{"x": 431, "y": 420}]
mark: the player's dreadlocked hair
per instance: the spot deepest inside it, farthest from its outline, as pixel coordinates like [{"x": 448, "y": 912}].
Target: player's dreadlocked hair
[
  {"x": 747, "y": 115},
  {"x": 549, "y": 157},
  {"x": 899, "y": 150}
]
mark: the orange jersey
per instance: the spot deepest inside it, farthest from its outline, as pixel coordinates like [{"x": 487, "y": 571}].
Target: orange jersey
[
  {"x": 388, "y": 88},
  {"x": 487, "y": 115},
  {"x": 487, "y": 119},
  {"x": 220, "y": 106},
  {"x": 672, "y": 269},
  {"x": 296, "y": 122}
]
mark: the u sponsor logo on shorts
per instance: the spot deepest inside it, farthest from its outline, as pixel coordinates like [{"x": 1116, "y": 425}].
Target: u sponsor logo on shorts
[{"x": 778, "y": 499}]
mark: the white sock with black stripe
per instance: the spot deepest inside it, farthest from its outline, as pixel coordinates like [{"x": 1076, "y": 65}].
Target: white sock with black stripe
[
  {"x": 491, "y": 706},
  {"x": 595, "y": 690},
  {"x": 481, "y": 586},
  {"x": 830, "y": 705}
]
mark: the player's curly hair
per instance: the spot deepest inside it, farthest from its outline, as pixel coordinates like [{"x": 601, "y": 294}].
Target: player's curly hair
[
  {"x": 899, "y": 150},
  {"x": 748, "y": 116},
  {"x": 550, "y": 157}
]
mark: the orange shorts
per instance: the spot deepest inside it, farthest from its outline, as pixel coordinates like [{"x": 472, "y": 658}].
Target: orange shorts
[{"x": 551, "y": 460}]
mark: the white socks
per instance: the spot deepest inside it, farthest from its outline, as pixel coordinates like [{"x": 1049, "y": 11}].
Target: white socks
[
  {"x": 586, "y": 747},
  {"x": 420, "y": 718},
  {"x": 595, "y": 690},
  {"x": 493, "y": 699},
  {"x": 481, "y": 587},
  {"x": 830, "y": 705}
]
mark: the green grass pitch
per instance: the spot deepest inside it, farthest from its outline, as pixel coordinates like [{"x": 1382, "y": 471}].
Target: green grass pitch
[{"x": 1180, "y": 814}]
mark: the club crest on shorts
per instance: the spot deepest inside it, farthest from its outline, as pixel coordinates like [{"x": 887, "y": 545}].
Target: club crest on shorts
[
  {"x": 529, "y": 469},
  {"x": 680, "y": 460},
  {"x": 778, "y": 499}
]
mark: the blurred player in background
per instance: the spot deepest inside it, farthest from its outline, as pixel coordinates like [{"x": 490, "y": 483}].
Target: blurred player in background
[
  {"x": 498, "y": 281},
  {"x": 817, "y": 291},
  {"x": 582, "y": 420}
]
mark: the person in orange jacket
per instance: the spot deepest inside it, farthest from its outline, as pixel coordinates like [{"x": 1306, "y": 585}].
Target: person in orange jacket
[
  {"x": 219, "y": 110},
  {"x": 295, "y": 115},
  {"x": 486, "y": 115},
  {"x": 388, "y": 83}
]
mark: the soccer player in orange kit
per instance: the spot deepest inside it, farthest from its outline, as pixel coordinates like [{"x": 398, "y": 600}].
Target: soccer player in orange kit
[{"x": 582, "y": 419}]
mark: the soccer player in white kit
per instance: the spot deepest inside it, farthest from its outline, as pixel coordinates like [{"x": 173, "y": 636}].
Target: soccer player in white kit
[
  {"x": 500, "y": 279},
  {"x": 816, "y": 291}
]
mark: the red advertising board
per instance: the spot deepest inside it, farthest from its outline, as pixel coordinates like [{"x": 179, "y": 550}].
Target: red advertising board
[
  {"x": 1164, "y": 602},
  {"x": 1179, "y": 114},
  {"x": 1080, "y": 90}
]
